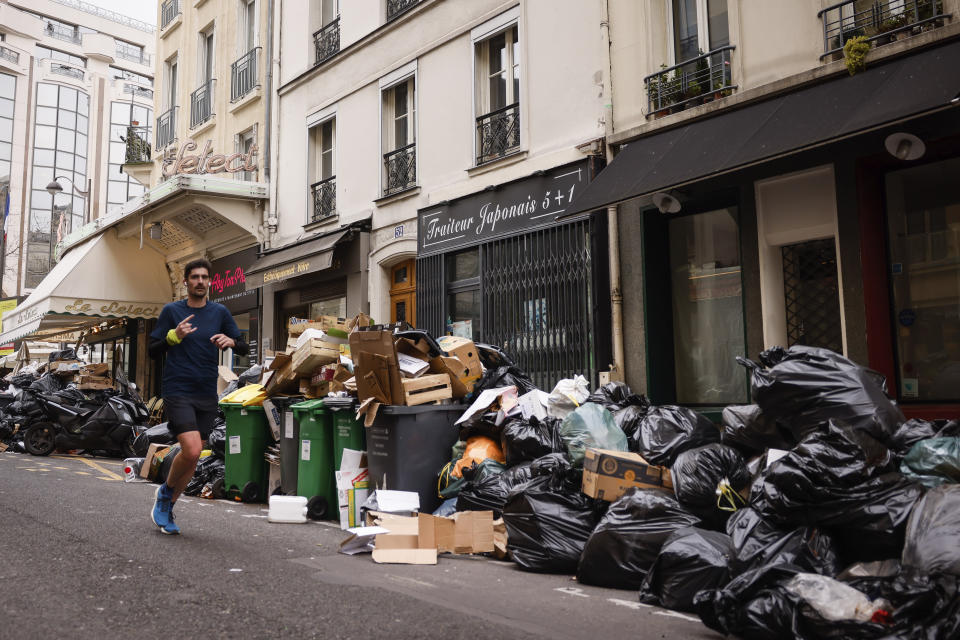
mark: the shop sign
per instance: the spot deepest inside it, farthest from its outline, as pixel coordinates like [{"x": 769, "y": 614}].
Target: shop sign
[
  {"x": 6, "y": 304},
  {"x": 113, "y": 308},
  {"x": 207, "y": 162},
  {"x": 228, "y": 281},
  {"x": 510, "y": 209}
]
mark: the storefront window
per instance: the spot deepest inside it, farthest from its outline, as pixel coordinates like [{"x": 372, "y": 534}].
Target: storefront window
[
  {"x": 707, "y": 308},
  {"x": 923, "y": 217},
  {"x": 336, "y": 307},
  {"x": 463, "y": 297}
]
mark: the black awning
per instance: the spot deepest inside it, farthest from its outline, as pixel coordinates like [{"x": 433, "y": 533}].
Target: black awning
[
  {"x": 290, "y": 262},
  {"x": 884, "y": 93}
]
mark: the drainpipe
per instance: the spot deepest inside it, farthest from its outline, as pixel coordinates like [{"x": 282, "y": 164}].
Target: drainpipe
[
  {"x": 267, "y": 130},
  {"x": 617, "y": 368}
]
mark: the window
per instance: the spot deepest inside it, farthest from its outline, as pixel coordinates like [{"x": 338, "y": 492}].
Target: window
[
  {"x": 170, "y": 91},
  {"x": 244, "y": 142},
  {"x": 206, "y": 51},
  {"x": 52, "y": 54},
  {"x": 399, "y": 136},
  {"x": 923, "y": 220},
  {"x": 247, "y": 26},
  {"x": 123, "y": 74},
  {"x": 463, "y": 294},
  {"x": 201, "y": 100},
  {"x": 325, "y": 18},
  {"x": 120, "y": 186},
  {"x": 8, "y": 95},
  {"x": 243, "y": 71},
  {"x": 323, "y": 170},
  {"x": 498, "y": 94},
  {"x": 60, "y": 151},
  {"x": 130, "y": 51},
  {"x": 698, "y": 26}
]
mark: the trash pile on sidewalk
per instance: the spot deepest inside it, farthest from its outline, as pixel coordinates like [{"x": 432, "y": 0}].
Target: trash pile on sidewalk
[
  {"x": 819, "y": 510},
  {"x": 69, "y": 405}
]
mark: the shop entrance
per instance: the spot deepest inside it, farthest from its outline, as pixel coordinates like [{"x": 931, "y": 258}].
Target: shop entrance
[
  {"x": 403, "y": 292},
  {"x": 811, "y": 294}
]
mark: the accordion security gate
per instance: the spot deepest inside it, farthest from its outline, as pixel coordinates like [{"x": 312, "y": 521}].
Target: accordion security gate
[
  {"x": 537, "y": 297},
  {"x": 812, "y": 294}
]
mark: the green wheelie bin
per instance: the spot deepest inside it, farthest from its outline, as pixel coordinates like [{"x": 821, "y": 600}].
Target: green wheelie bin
[
  {"x": 348, "y": 432},
  {"x": 315, "y": 479},
  {"x": 245, "y": 470}
]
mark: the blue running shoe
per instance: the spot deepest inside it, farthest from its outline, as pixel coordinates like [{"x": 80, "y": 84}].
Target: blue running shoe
[
  {"x": 171, "y": 529},
  {"x": 162, "y": 509}
]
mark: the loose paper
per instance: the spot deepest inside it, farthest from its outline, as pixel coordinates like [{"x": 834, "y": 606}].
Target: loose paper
[
  {"x": 412, "y": 366},
  {"x": 533, "y": 404},
  {"x": 484, "y": 400}
]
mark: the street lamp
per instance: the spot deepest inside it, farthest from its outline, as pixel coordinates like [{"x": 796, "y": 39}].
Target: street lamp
[{"x": 53, "y": 189}]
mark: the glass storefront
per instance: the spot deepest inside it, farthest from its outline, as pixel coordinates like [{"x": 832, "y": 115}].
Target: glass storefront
[{"x": 923, "y": 224}]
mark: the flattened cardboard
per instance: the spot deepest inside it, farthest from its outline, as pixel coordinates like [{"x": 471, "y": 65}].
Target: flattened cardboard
[
  {"x": 376, "y": 367},
  {"x": 225, "y": 376},
  {"x": 608, "y": 474},
  {"x": 404, "y": 556}
]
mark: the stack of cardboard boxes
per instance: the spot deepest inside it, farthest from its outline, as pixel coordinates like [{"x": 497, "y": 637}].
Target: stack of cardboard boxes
[{"x": 87, "y": 376}]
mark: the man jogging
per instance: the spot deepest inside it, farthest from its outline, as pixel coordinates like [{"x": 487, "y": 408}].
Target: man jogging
[{"x": 190, "y": 332}]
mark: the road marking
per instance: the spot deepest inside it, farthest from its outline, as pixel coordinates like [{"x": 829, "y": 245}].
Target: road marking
[
  {"x": 110, "y": 475},
  {"x": 572, "y": 591},
  {"x": 63, "y": 468},
  {"x": 411, "y": 581},
  {"x": 81, "y": 473},
  {"x": 254, "y": 516},
  {"x": 674, "y": 614},
  {"x": 630, "y": 604}
]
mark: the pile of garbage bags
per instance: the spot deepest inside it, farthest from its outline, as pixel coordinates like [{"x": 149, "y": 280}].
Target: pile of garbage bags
[{"x": 820, "y": 510}]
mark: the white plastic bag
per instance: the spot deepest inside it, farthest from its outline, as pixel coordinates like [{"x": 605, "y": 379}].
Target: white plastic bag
[
  {"x": 832, "y": 599},
  {"x": 569, "y": 394}
]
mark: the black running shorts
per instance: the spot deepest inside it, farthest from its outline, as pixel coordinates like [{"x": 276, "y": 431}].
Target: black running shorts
[{"x": 190, "y": 413}]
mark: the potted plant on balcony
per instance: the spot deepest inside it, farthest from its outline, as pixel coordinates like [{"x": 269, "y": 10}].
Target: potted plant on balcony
[
  {"x": 692, "y": 94},
  {"x": 888, "y": 27},
  {"x": 855, "y": 54},
  {"x": 657, "y": 109}
]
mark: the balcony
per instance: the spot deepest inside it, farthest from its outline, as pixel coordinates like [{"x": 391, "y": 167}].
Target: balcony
[
  {"x": 169, "y": 10},
  {"x": 66, "y": 70},
  {"x": 138, "y": 145},
  {"x": 324, "y": 199},
  {"x": 166, "y": 127},
  {"x": 879, "y": 22},
  {"x": 137, "y": 91},
  {"x": 62, "y": 32},
  {"x": 9, "y": 55},
  {"x": 243, "y": 75},
  {"x": 132, "y": 53},
  {"x": 396, "y": 7},
  {"x": 326, "y": 41},
  {"x": 702, "y": 79},
  {"x": 401, "y": 167},
  {"x": 201, "y": 104},
  {"x": 498, "y": 133}
]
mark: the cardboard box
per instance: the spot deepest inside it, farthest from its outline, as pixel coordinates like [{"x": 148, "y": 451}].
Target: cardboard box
[
  {"x": 311, "y": 391},
  {"x": 376, "y": 367},
  {"x": 283, "y": 378},
  {"x": 273, "y": 418},
  {"x": 313, "y": 354},
  {"x": 94, "y": 382},
  {"x": 353, "y": 487},
  {"x": 153, "y": 459},
  {"x": 608, "y": 474},
  {"x": 273, "y": 477},
  {"x": 465, "y": 351},
  {"x": 418, "y": 540},
  {"x": 296, "y": 326},
  {"x": 96, "y": 369},
  {"x": 225, "y": 376}
]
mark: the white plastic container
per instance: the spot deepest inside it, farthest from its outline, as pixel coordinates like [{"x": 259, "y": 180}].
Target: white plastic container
[{"x": 292, "y": 509}]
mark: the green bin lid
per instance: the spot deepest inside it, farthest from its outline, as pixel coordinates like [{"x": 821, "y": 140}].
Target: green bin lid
[{"x": 309, "y": 405}]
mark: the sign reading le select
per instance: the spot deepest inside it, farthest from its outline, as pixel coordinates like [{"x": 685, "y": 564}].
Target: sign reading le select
[{"x": 207, "y": 161}]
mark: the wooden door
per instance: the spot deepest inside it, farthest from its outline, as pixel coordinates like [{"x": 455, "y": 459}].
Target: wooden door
[{"x": 403, "y": 292}]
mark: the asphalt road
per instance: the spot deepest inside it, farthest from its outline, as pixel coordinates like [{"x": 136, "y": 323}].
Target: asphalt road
[{"x": 80, "y": 558}]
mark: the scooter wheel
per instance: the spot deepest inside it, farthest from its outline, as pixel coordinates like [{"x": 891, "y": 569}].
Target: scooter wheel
[
  {"x": 38, "y": 439},
  {"x": 250, "y": 492},
  {"x": 316, "y": 507}
]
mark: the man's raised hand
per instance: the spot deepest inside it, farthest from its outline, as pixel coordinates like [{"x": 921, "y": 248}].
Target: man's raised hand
[{"x": 185, "y": 328}]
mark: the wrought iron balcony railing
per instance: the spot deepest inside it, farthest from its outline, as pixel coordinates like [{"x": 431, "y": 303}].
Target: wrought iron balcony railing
[
  {"x": 137, "y": 141},
  {"x": 64, "y": 70},
  {"x": 9, "y": 54},
  {"x": 396, "y": 7},
  {"x": 702, "y": 79},
  {"x": 324, "y": 199},
  {"x": 879, "y": 22},
  {"x": 201, "y": 103},
  {"x": 401, "y": 166},
  {"x": 169, "y": 10},
  {"x": 132, "y": 53},
  {"x": 498, "y": 133},
  {"x": 166, "y": 127},
  {"x": 62, "y": 32},
  {"x": 326, "y": 41},
  {"x": 139, "y": 92},
  {"x": 243, "y": 74}
]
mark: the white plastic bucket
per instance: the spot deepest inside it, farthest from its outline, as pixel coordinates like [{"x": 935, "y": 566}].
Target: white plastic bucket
[{"x": 292, "y": 509}]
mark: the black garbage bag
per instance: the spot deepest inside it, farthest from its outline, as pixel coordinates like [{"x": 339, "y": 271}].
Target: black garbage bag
[
  {"x": 490, "y": 491},
  {"x": 753, "y": 605},
  {"x": 218, "y": 437},
  {"x": 933, "y": 462},
  {"x": 548, "y": 521},
  {"x": 526, "y": 440},
  {"x": 806, "y": 387},
  {"x": 666, "y": 432},
  {"x": 492, "y": 357},
  {"x": 63, "y": 354},
  {"x": 47, "y": 383},
  {"x": 629, "y": 419},
  {"x": 503, "y": 377},
  {"x": 914, "y": 430},
  {"x": 23, "y": 380},
  {"x": 208, "y": 469},
  {"x": 707, "y": 481},
  {"x": 482, "y": 424},
  {"x": 840, "y": 479},
  {"x": 933, "y": 532},
  {"x": 690, "y": 561},
  {"x": 614, "y": 396},
  {"x": 627, "y": 540},
  {"x": 758, "y": 543},
  {"x": 747, "y": 429},
  {"x": 156, "y": 434},
  {"x": 250, "y": 376}
]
